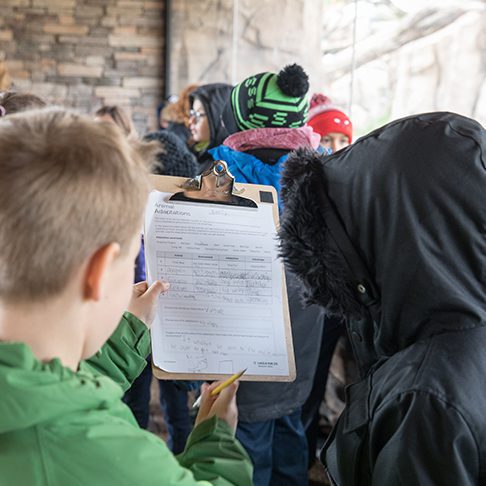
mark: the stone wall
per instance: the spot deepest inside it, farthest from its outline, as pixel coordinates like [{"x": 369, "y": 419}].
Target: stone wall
[
  {"x": 85, "y": 53},
  {"x": 270, "y": 34}
]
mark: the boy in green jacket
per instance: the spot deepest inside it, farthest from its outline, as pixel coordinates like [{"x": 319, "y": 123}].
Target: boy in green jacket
[{"x": 72, "y": 194}]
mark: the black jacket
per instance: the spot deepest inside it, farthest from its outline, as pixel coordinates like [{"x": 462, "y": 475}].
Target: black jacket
[
  {"x": 214, "y": 98},
  {"x": 390, "y": 232}
]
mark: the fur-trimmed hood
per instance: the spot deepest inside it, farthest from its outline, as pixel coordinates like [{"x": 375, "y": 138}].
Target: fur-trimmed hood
[{"x": 395, "y": 225}]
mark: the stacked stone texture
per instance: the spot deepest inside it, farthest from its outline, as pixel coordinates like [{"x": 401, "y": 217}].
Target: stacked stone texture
[{"x": 85, "y": 53}]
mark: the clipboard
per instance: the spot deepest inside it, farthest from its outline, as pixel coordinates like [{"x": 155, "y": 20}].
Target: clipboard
[{"x": 216, "y": 187}]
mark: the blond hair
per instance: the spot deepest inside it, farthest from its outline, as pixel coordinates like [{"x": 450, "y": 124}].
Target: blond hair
[
  {"x": 69, "y": 185},
  {"x": 119, "y": 116}
]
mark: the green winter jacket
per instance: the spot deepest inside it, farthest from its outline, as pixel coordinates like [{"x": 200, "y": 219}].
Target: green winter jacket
[{"x": 60, "y": 428}]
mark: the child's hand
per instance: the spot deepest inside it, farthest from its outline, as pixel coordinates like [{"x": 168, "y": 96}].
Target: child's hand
[
  {"x": 144, "y": 300},
  {"x": 222, "y": 405}
]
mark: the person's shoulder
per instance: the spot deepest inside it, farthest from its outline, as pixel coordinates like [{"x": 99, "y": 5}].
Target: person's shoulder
[
  {"x": 455, "y": 367},
  {"x": 220, "y": 151},
  {"x": 449, "y": 367}
]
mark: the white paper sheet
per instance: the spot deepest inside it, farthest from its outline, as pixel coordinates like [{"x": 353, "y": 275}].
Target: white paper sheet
[{"x": 223, "y": 312}]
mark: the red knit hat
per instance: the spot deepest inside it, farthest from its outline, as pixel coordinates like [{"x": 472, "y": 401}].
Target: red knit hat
[{"x": 324, "y": 118}]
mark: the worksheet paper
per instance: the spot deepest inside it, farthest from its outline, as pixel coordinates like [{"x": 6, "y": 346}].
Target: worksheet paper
[{"x": 223, "y": 312}]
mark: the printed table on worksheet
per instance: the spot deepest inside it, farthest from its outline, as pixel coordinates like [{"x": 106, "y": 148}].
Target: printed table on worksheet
[{"x": 228, "y": 278}]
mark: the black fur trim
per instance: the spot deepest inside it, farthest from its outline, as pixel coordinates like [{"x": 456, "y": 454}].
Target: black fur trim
[
  {"x": 305, "y": 242},
  {"x": 293, "y": 81}
]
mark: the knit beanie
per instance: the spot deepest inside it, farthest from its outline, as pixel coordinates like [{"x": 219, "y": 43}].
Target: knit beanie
[
  {"x": 268, "y": 100},
  {"x": 324, "y": 118}
]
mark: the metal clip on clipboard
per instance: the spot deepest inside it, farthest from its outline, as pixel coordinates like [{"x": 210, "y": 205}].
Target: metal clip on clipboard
[{"x": 214, "y": 186}]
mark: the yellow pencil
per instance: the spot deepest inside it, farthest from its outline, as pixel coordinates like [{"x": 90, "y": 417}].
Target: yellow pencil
[{"x": 221, "y": 387}]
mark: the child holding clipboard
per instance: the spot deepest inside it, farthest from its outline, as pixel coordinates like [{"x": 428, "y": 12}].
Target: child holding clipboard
[{"x": 65, "y": 355}]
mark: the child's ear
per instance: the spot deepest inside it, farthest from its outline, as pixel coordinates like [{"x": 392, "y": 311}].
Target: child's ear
[{"x": 98, "y": 266}]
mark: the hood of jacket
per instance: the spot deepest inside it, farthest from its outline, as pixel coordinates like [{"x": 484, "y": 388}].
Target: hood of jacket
[
  {"x": 393, "y": 228},
  {"x": 33, "y": 392},
  {"x": 214, "y": 98}
]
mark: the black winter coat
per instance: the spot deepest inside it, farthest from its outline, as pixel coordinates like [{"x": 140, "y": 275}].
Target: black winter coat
[{"x": 390, "y": 232}]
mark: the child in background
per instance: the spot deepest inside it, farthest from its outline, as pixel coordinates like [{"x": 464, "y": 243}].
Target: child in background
[
  {"x": 266, "y": 117},
  {"x": 334, "y": 127},
  {"x": 207, "y": 103},
  {"x": 62, "y": 376},
  {"x": 265, "y": 120}
]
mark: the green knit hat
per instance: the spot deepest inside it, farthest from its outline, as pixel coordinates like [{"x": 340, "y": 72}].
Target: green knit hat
[{"x": 269, "y": 100}]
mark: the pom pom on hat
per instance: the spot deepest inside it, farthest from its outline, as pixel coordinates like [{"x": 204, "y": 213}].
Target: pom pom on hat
[
  {"x": 293, "y": 81},
  {"x": 318, "y": 104}
]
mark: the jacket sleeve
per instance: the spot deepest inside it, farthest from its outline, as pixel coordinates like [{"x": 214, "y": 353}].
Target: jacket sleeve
[
  {"x": 418, "y": 438},
  {"x": 124, "y": 356},
  {"x": 213, "y": 454}
]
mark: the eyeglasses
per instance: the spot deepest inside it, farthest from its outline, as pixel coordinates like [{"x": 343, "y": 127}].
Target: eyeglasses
[{"x": 197, "y": 115}]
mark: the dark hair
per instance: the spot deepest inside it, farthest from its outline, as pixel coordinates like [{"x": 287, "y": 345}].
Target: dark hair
[{"x": 13, "y": 102}]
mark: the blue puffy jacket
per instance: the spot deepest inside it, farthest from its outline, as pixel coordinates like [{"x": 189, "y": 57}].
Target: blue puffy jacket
[{"x": 247, "y": 168}]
